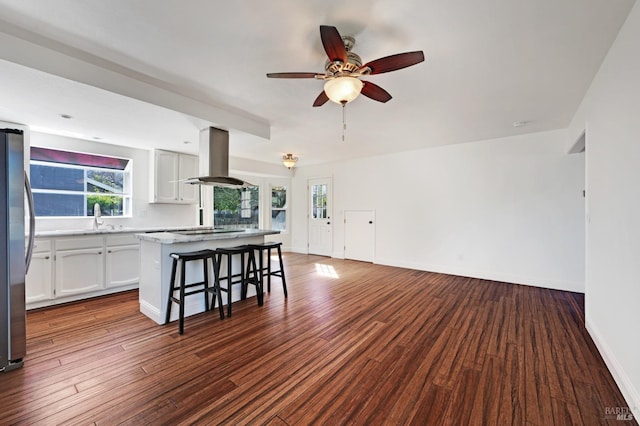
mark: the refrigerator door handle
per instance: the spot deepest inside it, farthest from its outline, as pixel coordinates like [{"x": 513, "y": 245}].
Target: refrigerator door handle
[{"x": 32, "y": 222}]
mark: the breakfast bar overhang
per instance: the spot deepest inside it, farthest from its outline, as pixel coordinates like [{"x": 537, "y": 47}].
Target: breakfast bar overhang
[{"x": 155, "y": 264}]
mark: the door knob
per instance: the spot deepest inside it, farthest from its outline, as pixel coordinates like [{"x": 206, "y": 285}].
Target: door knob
[
  {"x": 328, "y": 223},
  {"x": 370, "y": 222}
]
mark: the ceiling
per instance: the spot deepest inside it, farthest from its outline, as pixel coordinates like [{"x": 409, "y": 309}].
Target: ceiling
[{"x": 488, "y": 64}]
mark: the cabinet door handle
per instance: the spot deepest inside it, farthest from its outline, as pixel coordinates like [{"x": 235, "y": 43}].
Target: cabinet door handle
[
  {"x": 108, "y": 251},
  {"x": 100, "y": 252},
  {"x": 46, "y": 258}
]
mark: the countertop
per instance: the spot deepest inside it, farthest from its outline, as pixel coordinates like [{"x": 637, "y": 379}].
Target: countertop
[
  {"x": 116, "y": 230},
  {"x": 168, "y": 237},
  {"x": 81, "y": 232}
]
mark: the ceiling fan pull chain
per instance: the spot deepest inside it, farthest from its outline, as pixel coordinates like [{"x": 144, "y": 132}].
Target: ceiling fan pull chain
[{"x": 344, "y": 120}]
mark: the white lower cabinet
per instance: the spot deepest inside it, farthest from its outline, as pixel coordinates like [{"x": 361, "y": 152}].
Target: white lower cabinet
[
  {"x": 72, "y": 268},
  {"x": 122, "y": 262},
  {"x": 39, "y": 280},
  {"x": 79, "y": 271}
]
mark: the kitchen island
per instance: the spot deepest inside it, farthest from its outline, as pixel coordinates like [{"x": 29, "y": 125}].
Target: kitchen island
[{"x": 155, "y": 265}]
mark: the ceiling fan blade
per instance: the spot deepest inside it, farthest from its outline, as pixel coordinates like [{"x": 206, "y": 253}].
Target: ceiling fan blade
[
  {"x": 333, "y": 44},
  {"x": 292, "y": 75},
  {"x": 375, "y": 92},
  {"x": 394, "y": 62},
  {"x": 321, "y": 99}
]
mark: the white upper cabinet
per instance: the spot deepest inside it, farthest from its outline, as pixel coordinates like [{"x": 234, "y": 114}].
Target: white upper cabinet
[
  {"x": 188, "y": 168},
  {"x": 165, "y": 176},
  {"x": 167, "y": 170}
]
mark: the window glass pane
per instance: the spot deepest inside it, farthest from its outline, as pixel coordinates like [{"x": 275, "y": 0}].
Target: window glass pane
[
  {"x": 60, "y": 178},
  {"x": 236, "y": 207},
  {"x": 105, "y": 181},
  {"x": 279, "y": 220},
  {"x": 278, "y": 197},
  {"x": 245, "y": 204},
  {"x": 59, "y": 204},
  {"x": 110, "y": 205},
  {"x": 319, "y": 201}
]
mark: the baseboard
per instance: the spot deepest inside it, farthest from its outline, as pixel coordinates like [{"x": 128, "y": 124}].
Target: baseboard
[
  {"x": 564, "y": 285},
  {"x": 80, "y": 296},
  {"x": 151, "y": 311},
  {"x": 301, "y": 250},
  {"x": 628, "y": 390}
]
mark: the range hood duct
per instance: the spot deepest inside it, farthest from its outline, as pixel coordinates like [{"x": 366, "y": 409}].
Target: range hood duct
[{"x": 214, "y": 160}]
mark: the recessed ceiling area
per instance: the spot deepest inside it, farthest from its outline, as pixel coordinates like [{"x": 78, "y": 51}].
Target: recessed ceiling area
[{"x": 488, "y": 66}]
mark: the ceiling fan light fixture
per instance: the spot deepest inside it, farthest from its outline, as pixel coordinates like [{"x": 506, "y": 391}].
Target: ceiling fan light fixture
[
  {"x": 343, "y": 90},
  {"x": 289, "y": 161}
]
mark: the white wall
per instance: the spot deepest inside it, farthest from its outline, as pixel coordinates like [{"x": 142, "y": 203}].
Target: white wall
[
  {"x": 611, "y": 113},
  {"x": 507, "y": 209}
]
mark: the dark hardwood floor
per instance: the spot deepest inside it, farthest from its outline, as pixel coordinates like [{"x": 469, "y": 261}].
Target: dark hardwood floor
[{"x": 354, "y": 343}]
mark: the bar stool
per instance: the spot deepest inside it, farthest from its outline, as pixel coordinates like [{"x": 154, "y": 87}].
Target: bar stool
[
  {"x": 246, "y": 276},
  {"x": 182, "y": 287},
  {"x": 267, "y": 247}
]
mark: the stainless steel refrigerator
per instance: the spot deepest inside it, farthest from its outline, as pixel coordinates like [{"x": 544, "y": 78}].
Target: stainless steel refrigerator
[{"x": 16, "y": 242}]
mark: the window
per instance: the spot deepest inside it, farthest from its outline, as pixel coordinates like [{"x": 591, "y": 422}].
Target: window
[
  {"x": 236, "y": 207},
  {"x": 279, "y": 208},
  {"x": 68, "y": 184},
  {"x": 319, "y": 201},
  {"x": 245, "y": 204}
]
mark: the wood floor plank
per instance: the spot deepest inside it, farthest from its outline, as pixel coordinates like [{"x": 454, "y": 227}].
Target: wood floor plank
[
  {"x": 354, "y": 343},
  {"x": 500, "y": 329},
  {"x": 462, "y": 398},
  {"x": 430, "y": 409},
  {"x": 425, "y": 373},
  {"x": 512, "y": 393},
  {"x": 368, "y": 388},
  {"x": 558, "y": 363},
  {"x": 486, "y": 405},
  {"x": 565, "y": 413},
  {"x": 538, "y": 408},
  {"x": 457, "y": 348}
]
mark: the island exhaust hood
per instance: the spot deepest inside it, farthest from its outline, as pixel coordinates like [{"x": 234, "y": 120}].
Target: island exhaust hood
[{"x": 214, "y": 160}]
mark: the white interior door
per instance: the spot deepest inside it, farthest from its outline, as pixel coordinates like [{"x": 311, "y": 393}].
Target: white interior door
[
  {"x": 359, "y": 235},
  {"x": 320, "y": 223}
]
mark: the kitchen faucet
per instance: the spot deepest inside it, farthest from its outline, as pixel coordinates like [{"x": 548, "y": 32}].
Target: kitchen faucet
[{"x": 96, "y": 216}]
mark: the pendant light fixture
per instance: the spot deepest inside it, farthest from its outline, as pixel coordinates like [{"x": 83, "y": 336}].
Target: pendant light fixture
[{"x": 289, "y": 161}]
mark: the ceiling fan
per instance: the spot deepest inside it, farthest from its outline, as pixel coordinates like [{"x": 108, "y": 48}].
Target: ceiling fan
[{"x": 344, "y": 68}]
